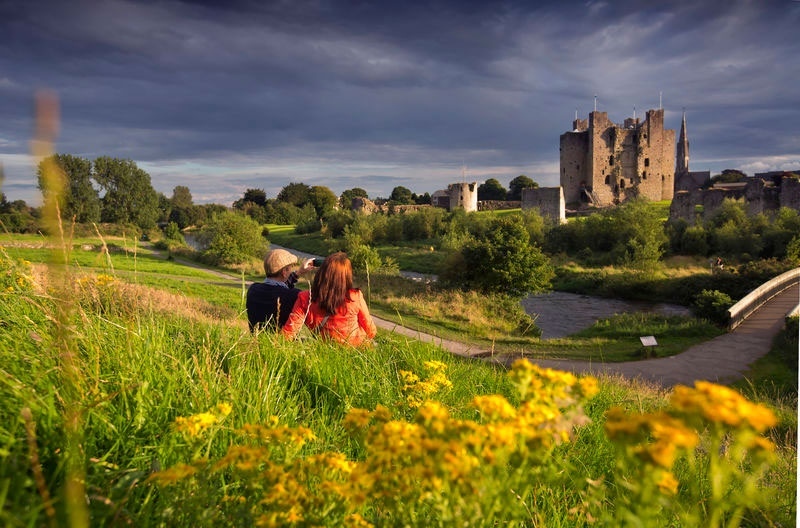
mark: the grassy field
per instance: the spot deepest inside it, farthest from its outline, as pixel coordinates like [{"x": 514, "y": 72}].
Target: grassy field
[{"x": 125, "y": 404}]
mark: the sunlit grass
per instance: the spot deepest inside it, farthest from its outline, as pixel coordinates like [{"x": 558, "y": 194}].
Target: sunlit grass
[{"x": 151, "y": 361}]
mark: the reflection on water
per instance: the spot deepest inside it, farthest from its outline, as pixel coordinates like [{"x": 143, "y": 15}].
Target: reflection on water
[
  {"x": 192, "y": 240},
  {"x": 561, "y": 314}
]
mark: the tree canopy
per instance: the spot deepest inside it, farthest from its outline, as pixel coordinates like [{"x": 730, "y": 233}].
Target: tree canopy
[
  {"x": 181, "y": 197},
  {"x": 501, "y": 259},
  {"x": 254, "y": 196},
  {"x": 129, "y": 196},
  {"x": 79, "y": 199},
  {"x": 401, "y": 195},
  {"x": 323, "y": 199},
  {"x": 346, "y": 198},
  {"x": 295, "y": 194},
  {"x": 516, "y": 185},
  {"x": 491, "y": 189}
]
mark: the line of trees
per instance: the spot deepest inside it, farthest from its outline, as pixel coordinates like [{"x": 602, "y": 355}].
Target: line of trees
[
  {"x": 106, "y": 190},
  {"x": 492, "y": 189},
  {"x": 109, "y": 190}
]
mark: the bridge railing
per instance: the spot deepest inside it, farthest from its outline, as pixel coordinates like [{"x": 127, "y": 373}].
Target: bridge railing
[{"x": 753, "y": 300}]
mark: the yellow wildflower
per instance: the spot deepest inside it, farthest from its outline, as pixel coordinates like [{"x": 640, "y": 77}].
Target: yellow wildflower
[
  {"x": 195, "y": 424},
  {"x": 494, "y": 407},
  {"x": 668, "y": 483},
  {"x": 435, "y": 366},
  {"x": 173, "y": 474}
]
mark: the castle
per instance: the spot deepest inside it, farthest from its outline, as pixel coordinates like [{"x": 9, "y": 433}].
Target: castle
[{"x": 603, "y": 163}]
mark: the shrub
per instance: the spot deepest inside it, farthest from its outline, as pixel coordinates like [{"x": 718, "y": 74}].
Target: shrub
[
  {"x": 232, "y": 238},
  {"x": 502, "y": 260},
  {"x": 173, "y": 232},
  {"x": 712, "y": 305}
]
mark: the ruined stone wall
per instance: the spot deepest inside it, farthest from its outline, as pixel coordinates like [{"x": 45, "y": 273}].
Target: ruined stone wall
[
  {"x": 367, "y": 206},
  {"x": 364, "y": 205},
  {"x": 548, "y": 200},
  {"x": 682, "y": 206},
  {"x": 498, "y": 205},
  {"x": 790, "y": 193},
  {"x": 759, "y": 197}
]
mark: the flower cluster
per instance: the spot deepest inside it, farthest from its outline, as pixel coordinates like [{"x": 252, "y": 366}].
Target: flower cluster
[
  {"x": 722, "y": 405},
  {"x": 197, "y": 424},
  {"x": 418, "y": 390},
  {"x": 705, "y": 421},
  {"x": 488, "y": 462},
  {"x": 426, "y": 462}
]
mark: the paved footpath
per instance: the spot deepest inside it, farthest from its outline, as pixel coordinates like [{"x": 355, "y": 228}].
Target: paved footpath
[{"x": 723, "y": 359}]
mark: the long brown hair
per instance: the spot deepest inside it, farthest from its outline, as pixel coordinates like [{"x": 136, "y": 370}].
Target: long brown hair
[{"x": 332, "y": 283}]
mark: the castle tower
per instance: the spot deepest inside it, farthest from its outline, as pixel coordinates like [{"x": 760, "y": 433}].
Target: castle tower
[
  {"x": 682, "y": 157},
  {"x": 603, "y": 163}
]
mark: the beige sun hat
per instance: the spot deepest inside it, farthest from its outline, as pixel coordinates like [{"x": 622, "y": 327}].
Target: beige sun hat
[{"x": 277, "y": 259}]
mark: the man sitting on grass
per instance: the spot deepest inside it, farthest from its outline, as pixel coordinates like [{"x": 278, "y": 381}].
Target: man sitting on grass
[{"x": 269, "y": 303}]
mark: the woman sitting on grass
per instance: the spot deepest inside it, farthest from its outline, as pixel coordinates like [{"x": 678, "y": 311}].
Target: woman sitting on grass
[{"x": 333, "y": 308}]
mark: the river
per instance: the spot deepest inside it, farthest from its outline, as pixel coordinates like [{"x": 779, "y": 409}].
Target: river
[{"x": 560, "y": 314}]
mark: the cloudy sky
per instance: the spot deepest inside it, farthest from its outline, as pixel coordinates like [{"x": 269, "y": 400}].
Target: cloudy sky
[{"x": 222, "y": 96}]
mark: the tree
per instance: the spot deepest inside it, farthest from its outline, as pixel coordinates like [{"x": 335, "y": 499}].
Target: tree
[
  {"x": 401, "y": 196},
  {"x": 231, "y": 238},
  {"x": 516, "y": 185},
  {"x": 346, "y": 198},
  {"x": 79, "y": 199},
  {"x": 295, "y": 194},
  {"x": 16, "y": 216},
  {"x": 255, "y": 196},
  {"x": 129, "y": 196},
  {"x": 501, "y": 260},
  {"x": 182, "y": 197},
  {"x": 491, "y": 189},
  {"x": 421, "y": 199},
  {"x": 322, "y": 199}
]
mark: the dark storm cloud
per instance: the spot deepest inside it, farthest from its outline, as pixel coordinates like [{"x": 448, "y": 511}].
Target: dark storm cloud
[{"x": 224, "y": 96}]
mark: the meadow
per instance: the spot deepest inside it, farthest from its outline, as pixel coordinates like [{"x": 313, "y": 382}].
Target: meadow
[
  {"x": 491, "y": 321},
  {"x": 130, "y": 403}
]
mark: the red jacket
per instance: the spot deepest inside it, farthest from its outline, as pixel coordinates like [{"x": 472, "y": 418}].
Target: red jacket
[{"x": 352, "y": 324}]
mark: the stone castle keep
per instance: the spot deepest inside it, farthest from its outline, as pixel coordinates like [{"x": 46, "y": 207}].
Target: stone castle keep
[{"x": 603, "y": 163}]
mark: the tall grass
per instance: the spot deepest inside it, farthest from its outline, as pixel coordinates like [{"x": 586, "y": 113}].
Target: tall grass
[{"x": 145, "y": 361}]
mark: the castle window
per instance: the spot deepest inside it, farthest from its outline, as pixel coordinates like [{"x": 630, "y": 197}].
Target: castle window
[
  {"x": 622, "y": 184},
  {"x": 644, "y": 175},
  {"x": 647, "y": 162},
  {"x": 607, "y": 180},
  {"x": 611, "y": 160}
]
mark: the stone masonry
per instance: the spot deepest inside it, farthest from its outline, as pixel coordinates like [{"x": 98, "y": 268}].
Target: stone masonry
[
  {"x": 603, "y": 163},
  {"x": 548, "y": 200}
]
